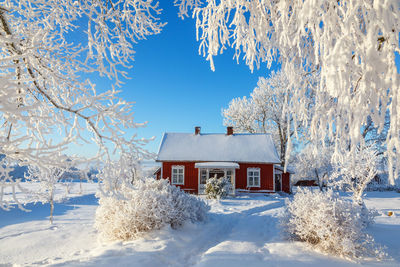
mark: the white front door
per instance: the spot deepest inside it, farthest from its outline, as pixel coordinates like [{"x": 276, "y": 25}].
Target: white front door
[{"x": 205, "y": 174}]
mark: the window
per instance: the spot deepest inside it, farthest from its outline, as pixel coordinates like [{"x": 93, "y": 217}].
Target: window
[
  {"x": 253, "y": 177},
  {"x": 178, "y": 174},
  {"x": 229, "y": 175},
  {"x": 203, "y": 176}
]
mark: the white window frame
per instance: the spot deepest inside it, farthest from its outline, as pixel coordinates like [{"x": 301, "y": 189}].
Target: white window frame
[
  {"x": 177, "y": 167},
  {"x": 205, "y": 175},
  {"x": 259, "y": 177}
]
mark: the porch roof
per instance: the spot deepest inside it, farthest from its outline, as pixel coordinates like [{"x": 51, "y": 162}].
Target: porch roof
[{"x": 222, "y": 165}]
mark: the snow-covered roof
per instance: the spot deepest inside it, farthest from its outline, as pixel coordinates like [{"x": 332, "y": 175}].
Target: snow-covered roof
[
  {"x": 255, "y": 148},
  {"x": 217, "y": 165}
]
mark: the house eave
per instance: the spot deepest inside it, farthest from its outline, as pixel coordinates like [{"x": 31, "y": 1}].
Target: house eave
[{"x": 198, "y": 161}]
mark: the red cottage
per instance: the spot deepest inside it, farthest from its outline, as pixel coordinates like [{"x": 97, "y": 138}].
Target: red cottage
[{"x": 248, "y": 160}]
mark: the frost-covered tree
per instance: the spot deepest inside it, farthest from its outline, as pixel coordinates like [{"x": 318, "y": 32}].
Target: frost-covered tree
[
  {"x": 314, "y": 161},
  {"x": 241, "y": 116},
  {"x": 355, "y": 172},
  {"x": 120, "y": 173},
  {"x": 47, "y": 180},
  {"x": 265, "y": 111},
  {"x": 48, "y": 49},
  {"x": 351, "y": 44},
  {"x": 7, "y": 168}
]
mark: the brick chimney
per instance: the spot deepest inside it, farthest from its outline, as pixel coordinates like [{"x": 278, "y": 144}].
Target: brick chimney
[
  {"x": 229, "y": 130},
  {"x": 197, "y": 130}
]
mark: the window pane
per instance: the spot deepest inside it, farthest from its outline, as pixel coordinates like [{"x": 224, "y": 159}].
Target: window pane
[
  {"x": 256, "y": 182},
  {"x": 228, "y": 172},
  {"x": 174, "y": 171},
  {"x": 251, "y": 173},
  {"x": 180, "y": 170},
  {"x": 174, "y": 179},
  {"x": 251, "y": 180}
]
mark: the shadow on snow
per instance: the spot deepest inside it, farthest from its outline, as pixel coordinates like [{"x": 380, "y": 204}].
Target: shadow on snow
[{"x": 39, "y": 211}]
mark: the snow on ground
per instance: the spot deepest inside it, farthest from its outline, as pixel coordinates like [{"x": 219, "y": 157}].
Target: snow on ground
[{"x": 241, "y": 231}]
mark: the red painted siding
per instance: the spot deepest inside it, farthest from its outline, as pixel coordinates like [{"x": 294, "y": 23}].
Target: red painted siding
[
  {"x": 191, "y": 175},
  {"x": 286, "y": 182},
  {"x": 266, "y": 176},
  {"x": 158, "y": 174}
]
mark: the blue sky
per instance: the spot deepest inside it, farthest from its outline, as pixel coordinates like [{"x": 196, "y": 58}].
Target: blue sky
[{"x": 174, "y": 87}]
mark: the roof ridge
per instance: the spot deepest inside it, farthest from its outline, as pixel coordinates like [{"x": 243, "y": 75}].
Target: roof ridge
[{"x": 218, "y": 133}]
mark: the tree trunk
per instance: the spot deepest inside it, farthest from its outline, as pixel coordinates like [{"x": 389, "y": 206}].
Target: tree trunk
[
  {"x": 318, "y": 180},
  {"x": 51, "y": 210},
  {"x": 51, "y": 205}
]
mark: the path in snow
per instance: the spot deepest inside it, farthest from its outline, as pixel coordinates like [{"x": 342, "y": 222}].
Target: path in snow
[{"x": 241, "y": 231}]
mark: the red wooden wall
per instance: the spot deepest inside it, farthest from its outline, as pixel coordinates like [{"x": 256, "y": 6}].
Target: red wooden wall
[
  {"x": 266, "y": 176},
  {"x": 191, "y": 175},
  {"x": 158, "y": 174},
  {"x": 286, "y": 182}
]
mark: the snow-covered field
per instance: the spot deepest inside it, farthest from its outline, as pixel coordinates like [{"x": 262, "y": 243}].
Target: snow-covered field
[{"x": 241, "y": 231}]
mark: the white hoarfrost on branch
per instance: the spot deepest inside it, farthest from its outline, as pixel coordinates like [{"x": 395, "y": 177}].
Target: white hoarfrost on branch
[
  {"x": 146, "y": 205},
  {"x": 116, "y": 174},
  {"x": 354, "y": 173},
  {"x": 7, "y": 167},
  {"x": 46, "y": 104},
  {"x": 314, "y": 162},
  {"x": 47, "y": 179},
  {"x": 330, "y": 224},
  {"x": 350, "y": 44},
  {"x": 265, "y": 110}
]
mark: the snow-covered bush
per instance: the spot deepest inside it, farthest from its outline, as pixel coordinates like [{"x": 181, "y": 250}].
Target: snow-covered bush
[
  {"x": 147, "y": 205},
  {"x": 330, "y": 224},
  {"x": 218, "y": 188}
]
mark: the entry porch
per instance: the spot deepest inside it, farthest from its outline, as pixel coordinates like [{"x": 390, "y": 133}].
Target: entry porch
[{"x": 208, "y": 170}]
